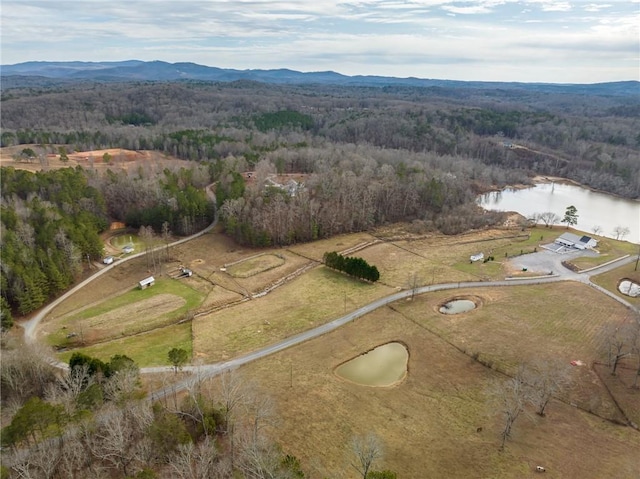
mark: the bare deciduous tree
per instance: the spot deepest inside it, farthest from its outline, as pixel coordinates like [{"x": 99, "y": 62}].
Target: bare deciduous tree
[
  {"x": 549, "y": 218},
  {"x": 199, "y": 461},
  {"x": 618, "y": 344},
  {"x": 120, "y": 436},
  {"x": 25, "y": 371},
  {"x": 259, "y": 459},
  {"x": 366, "y": 449},
  {"x": 69, "y": 387},
  {"x": 413, "y": 281},
  {"x": 509, "y": 397},
  {"x": 620, "y": 232},
  {"x": 543, "y": 380}
]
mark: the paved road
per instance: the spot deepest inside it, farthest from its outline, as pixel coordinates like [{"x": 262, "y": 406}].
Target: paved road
[
  {"x": 546, "y": 262},
  {"x": 211, "y": 370}
]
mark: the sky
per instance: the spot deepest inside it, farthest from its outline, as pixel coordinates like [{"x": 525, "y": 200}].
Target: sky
[{"x": 554, "y": 41}]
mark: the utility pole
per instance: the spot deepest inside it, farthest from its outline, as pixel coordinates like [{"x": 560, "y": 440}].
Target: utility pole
[{"x": 637, "y": 259}]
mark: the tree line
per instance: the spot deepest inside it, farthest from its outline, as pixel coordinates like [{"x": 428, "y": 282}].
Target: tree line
[
  {"x": 352, "y": 265},
  {"x": 51, "y": 223}
]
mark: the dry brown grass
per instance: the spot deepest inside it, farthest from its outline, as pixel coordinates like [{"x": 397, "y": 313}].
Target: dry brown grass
[
  {"x": 319, "y": 296},
  {"x": 255, "y": 265},
  {"x": 316, "y": 249},
  {"x": 522, "y": 323},
  {"x": 428, "y": 424},
  {"x": 611, "y": 280}
]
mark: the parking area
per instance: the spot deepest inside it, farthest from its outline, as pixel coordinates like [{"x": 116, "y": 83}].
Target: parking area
[{"x": 548, "y": 261}]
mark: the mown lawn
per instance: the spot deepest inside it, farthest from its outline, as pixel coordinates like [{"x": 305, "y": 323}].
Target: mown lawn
[
  {"x": 146, "y": 349},
  {"x": 128, "y": 321}
]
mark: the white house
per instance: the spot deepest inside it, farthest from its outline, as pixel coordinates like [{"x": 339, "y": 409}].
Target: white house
[
  {"x": 145, "y": 283},
  {"x": 574, "y": 241}
]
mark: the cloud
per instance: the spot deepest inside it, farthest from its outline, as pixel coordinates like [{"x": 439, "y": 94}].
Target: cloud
[{"x": 524, "y": 40}]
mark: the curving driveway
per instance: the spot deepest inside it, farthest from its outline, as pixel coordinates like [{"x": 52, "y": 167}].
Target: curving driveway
[
  {"x": 548, "y": 263},
  {"x": 535, "y": 260}
]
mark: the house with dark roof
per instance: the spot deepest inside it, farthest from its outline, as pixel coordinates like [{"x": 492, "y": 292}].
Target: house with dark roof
[{"x": 571, "y": 240}]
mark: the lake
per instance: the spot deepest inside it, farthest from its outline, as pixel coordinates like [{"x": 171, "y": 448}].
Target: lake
[{"x": 594, "y": 208}]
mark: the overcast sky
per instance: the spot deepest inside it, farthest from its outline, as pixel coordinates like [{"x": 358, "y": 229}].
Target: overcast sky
[{"x": 558, "y": 41}]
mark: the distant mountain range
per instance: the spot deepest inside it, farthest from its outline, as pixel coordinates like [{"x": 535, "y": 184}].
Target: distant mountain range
[{"x": 31, "y": 73}]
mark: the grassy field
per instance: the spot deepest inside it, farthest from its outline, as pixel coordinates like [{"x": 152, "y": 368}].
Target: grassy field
[
  {"x": 128, "y": 314},
  {"x": 146, "y": 349},
  {"x": 522, "y": 323},
  {"x": 429, "y": 423},
  {"x": 255, "y": 265},
  {"x": 321, "y": 295}
]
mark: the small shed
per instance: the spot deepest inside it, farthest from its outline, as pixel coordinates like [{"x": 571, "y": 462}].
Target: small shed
[{"x": 145, "y": 283}]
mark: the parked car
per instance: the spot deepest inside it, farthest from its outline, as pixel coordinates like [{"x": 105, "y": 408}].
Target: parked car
[
  {"x": 108, "y": 260},
  {"x": 127, "y": 249}
]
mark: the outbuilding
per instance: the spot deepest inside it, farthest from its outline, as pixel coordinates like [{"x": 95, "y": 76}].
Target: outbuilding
[
  {"x": 145, "y": 283},
  {"x": 574, "y": 241}
]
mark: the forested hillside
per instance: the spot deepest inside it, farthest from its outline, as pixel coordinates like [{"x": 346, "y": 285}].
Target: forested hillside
[
  {"x": 286, "y": 164},
  {"x": 51, "y": 220},
  {"x": 368, "y": 156},
  {"x": 591, "y": 138}
]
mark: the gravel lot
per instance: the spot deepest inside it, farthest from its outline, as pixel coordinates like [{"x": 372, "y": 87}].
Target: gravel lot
[{"x": 546, "y": 261}]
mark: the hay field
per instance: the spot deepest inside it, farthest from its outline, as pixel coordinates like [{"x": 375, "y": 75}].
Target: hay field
[
  {"x": 429, "y": 423},
  {"x": 521, "y": 323},
  {"x": 317, "y": 297}
]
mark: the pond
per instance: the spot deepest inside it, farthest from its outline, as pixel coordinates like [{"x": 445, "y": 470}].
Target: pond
[
  {"x": 594, "y": 208},
  {"x": 629, "y": 288},
  {"x": 457, "y": 306},
  {"x": 123, "y": 240},
  {"x": 385, "y": 365}
]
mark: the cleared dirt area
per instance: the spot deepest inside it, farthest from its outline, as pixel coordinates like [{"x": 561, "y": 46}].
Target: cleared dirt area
[{"x": 48, "y": 158}]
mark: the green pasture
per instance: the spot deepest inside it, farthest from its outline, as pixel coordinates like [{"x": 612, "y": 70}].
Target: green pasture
[
  {"x": 146, "y": 349},
  {"x": 74, "y": 322},
  {"x": 125, "y": 239}
]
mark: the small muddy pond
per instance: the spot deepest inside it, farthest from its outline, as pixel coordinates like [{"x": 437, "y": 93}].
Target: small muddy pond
[
  {"x": 629, "y": 288},
  {"x": 457, "y": 306},
  {"x": 382, "y": 366}
]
